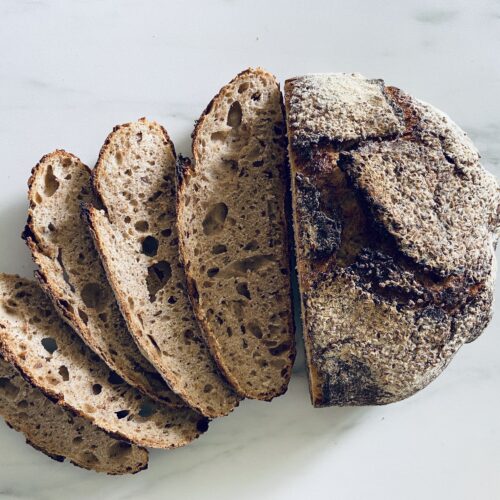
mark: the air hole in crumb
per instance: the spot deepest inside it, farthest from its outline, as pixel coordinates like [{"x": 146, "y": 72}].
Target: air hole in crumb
[
  {"x": 256, "y": 96},
  {"x": 154, "y": 343},
  {"x": 218, "y": 249},
  {"x": 166, "y": 232},
  {"x": 142, "y": 226},
  {"x": 115, "y": 379},
  {"x": 8, "y": 389},
  {"x": 23, "y": 404},
  {"x": 89, "y": 458},
  {"x": 229, "y": 331},
  {"x": 258, "y": 163},
  {"x": 93, "y": 295},
  {"x": 49, "y": 344},
  {"x": 119, "y": 450},
  {"x": 243, "y": 87},
  {"x": 122, "y": 414},
  {"x": 234, "y": 115},
  {"x": 280, "y": 349},
  {"x": 218, "y": 136},
  {"x": 215, "y": 218},
  {"x": 255, "y": 329},
  {"x": 96, "y": 389},
  {"x": 158, "y": 275},
  {"x": 127, "y": 219},
  {"x": 63, "y": 371},
  {"x": 38, "y": 198},
  {"x": 103, "y": 317},
  {"x": 188, "y": 336},
  {"x": 150, "y": 246},
  {"x": 208, "y": 388},
  {"x": 243, "y": 266},
  {"x": 77, "y": 440},
  {"x": 242, "y": 289},
  {"x": 51, "y": 182},
  {"x": 51, "y": 227},
  {"x": 251, "y": 245},
  {"x": 138, "y": 136},
  {"x": 172, "y": 300},
  {"x": 147, "y": 409},
  {"x": 213, "y": 271}
]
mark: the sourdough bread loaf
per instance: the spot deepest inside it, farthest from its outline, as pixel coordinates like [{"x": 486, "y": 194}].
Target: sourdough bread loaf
[
  {"x": 136, "y": 236},
  {"x": 395, "y": 227},
  {"x": 59, "y": 433},
  {"x": 71, "y": 274},
  {"x": 233, "y": 234},
  {"x": 55, "y": 360}
]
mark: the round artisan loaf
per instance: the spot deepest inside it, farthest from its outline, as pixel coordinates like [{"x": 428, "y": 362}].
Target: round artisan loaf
[{"x": 396, "y": 223}]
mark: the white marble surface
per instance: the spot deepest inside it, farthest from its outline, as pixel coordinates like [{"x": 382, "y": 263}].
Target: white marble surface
[{"x": 70, "y": 70}]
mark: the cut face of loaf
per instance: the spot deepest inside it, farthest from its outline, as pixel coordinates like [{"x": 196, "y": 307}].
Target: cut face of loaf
[
  {"x": 233, "y": 234},
  {"x": 54, "y": 359},
  {"x": 395, "y": 226},
  {"x": 137, "y": 239},
  {"x": 72, "y": 275},
  {"x": 59, "y": 433}
]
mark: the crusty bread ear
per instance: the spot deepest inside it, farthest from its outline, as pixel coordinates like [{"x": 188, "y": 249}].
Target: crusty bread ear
[
  {"x": 59, "y": 433},
  {"x": 395, "y": 225},
  {"x": 136, "y": 236},
  {"x": 71, "y": 273},
  {"x": 233, "y": 234},
  {"x": 55, "y": 360}
]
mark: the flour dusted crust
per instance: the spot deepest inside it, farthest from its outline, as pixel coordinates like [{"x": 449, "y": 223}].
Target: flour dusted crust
[{"x": 395, "y": 223}]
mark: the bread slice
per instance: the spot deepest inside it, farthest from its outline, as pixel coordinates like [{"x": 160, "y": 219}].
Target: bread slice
[
  {"x": 59, "y": 433},
  {"x": 233, "y": 234},
  {"x": 395, "y": 226},
  {"x": 54, "y": 359},
  {"x": 71, "y": 273},
  {"x": 137, "y": 238}
]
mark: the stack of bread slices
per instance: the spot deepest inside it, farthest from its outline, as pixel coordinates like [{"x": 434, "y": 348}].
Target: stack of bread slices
[{"x": 163, "y": 284}]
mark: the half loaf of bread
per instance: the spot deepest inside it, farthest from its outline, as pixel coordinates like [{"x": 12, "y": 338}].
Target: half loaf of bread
[{"x": 395, "y": 227}]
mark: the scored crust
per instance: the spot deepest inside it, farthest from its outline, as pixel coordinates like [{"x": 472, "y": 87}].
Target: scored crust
[
  {"x": 71, "y": 273},
  {"x": 229, "y": 145},
  {"x": 395, "y": 224},
  {"x": 60, "y": 434}
]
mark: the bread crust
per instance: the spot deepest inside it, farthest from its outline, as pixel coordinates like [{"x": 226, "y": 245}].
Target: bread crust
[
  {"x": 376, "y": 237},
  {"x": 186, "y": 169}
]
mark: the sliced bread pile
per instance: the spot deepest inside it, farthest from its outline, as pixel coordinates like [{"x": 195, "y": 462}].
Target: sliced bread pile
[{"x": 163, "y": 293}]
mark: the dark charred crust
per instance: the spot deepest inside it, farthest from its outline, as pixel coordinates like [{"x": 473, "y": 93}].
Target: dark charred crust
[
  {"x": 349, "y": 383},
  {"x": 202, "y": 424},
  {"x": 53, "y": 456},
  {"x": 183, "y": 167},
  {"x": 321, "y": 233}
]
